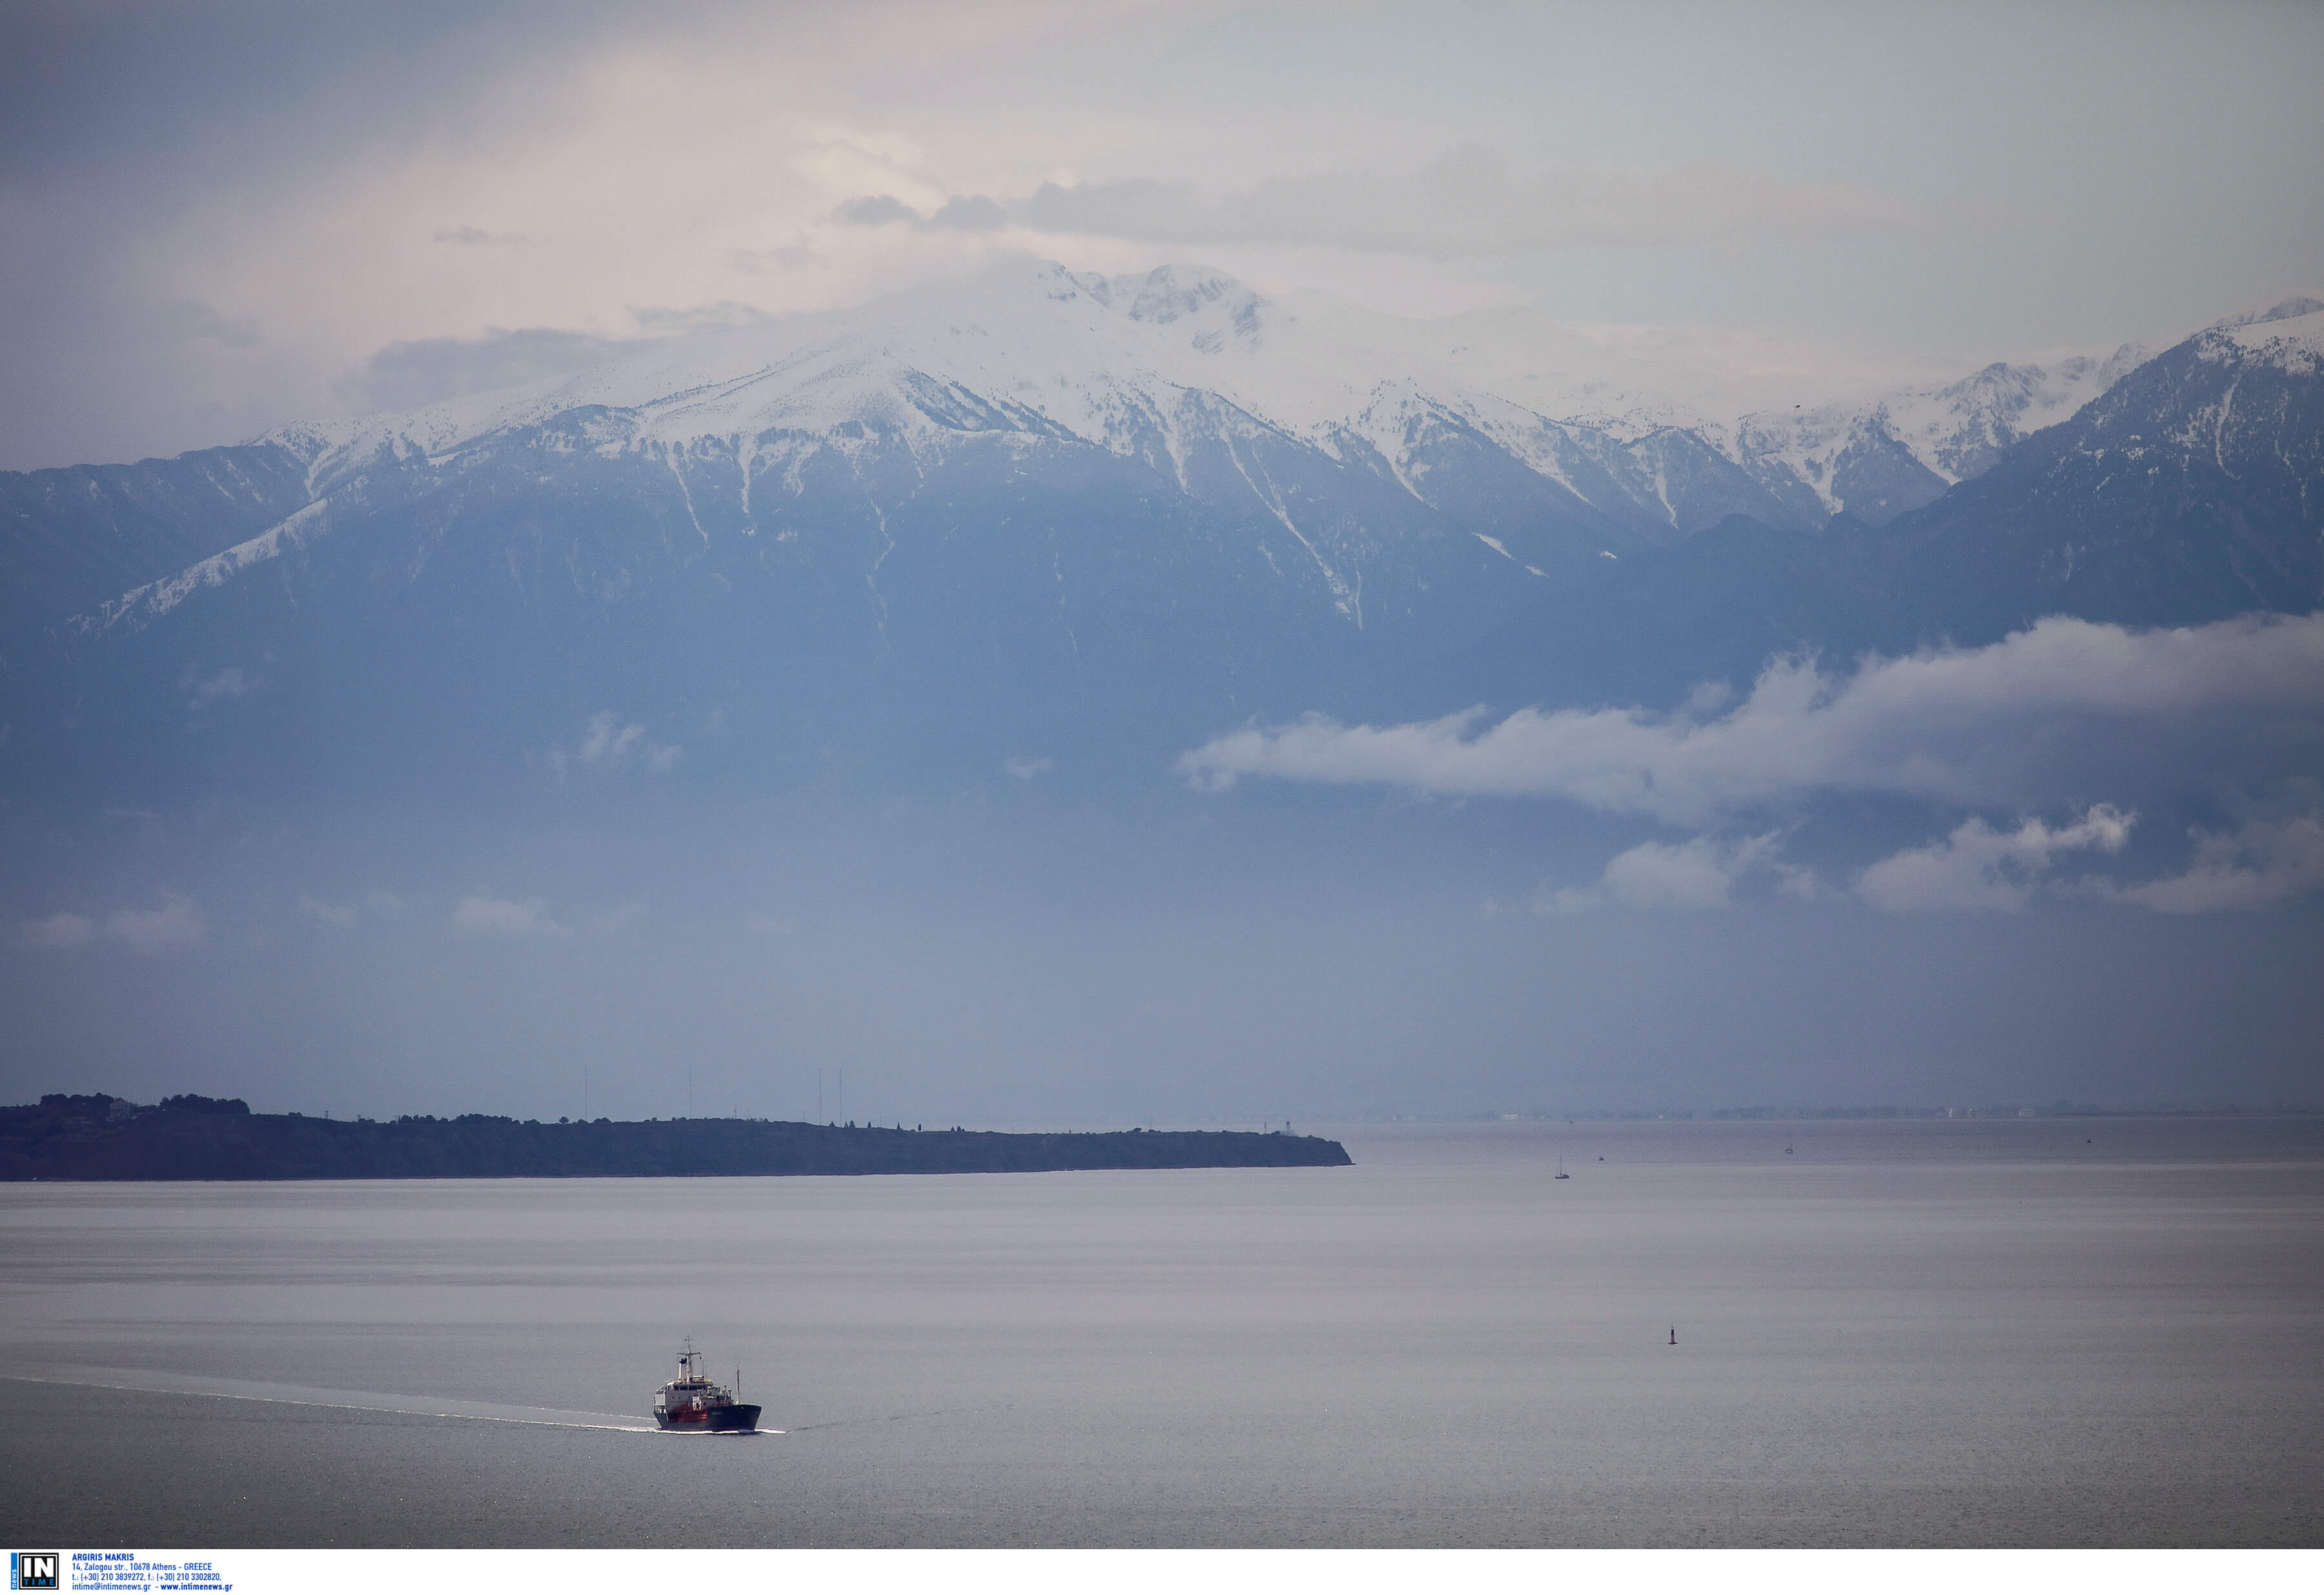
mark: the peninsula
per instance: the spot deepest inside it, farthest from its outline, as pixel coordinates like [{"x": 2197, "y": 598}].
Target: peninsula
[{"x": 194, "y": 1138}]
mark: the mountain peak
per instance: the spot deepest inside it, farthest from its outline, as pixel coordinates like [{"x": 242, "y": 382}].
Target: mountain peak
[
  {"x": 2289, "y": 334},
  {"x": 2298, "y": 304}
]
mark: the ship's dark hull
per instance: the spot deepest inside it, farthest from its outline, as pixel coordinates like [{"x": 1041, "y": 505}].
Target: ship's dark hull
[{"x": 737, "y": 1418}]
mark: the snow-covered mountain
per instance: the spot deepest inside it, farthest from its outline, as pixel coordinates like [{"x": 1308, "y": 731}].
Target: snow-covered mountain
[
  {"x": 1875, "y": 458},
  {"x": 1036, "y": 507},
  {"x": 2287, "y": 335},
  {"x": 1152, "y": 366},
  {"x": 2189, "y": 491},
  {"x": 1489, "y": 417},
  {"x": 1882, "y": 448},
  {"x": 1114, "y": 362}
]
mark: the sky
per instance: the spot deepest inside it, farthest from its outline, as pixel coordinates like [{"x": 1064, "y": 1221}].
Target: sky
[
  {"x": 217, "y": 219},
  {"x": 1020, "y": 959}
]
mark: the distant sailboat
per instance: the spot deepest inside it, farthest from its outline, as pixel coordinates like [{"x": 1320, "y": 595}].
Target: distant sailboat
[
  {"x": 1561, "y": 1170},
  {"x": 1674, "y": 1334}
]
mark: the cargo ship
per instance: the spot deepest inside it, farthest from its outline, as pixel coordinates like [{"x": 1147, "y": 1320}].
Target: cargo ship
[{"x": 693, "y": 1404}]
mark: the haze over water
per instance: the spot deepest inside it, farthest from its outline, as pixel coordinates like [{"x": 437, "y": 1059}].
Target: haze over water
[{"x": 2055, "y": 1331}]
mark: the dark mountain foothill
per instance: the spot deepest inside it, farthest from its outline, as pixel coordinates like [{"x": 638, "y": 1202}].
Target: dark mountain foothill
[{"x": 192, "y": 1137}]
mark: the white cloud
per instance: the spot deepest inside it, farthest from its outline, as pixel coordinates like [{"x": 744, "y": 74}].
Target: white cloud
[
  {"x": 2264, "y": 861},
  {"x": 329, "y": 913},
  {"x": 1979, "y": 867},
  {"x": 233, "y": 682},
  {"x": 1025, "y": 769},
  {"x": 610, "y": 743},
  {"x": 56, "y": 932},
  {"x": 174, "y": 922},
  {"x": 607, "y": 744},
  {"x": 1699, "y": 874},
  {"x": 2063, "y": 706},
  {"x": 489, "y": 915}
]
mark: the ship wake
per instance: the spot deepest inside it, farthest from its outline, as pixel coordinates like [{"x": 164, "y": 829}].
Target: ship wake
[{"x": 151, "y": 1382}]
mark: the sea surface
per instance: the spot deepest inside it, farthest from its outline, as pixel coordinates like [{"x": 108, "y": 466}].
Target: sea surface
[{"x": 2068, "y": 1332}]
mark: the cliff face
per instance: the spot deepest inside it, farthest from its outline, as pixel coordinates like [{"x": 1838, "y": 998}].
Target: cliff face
[{"x": 80, "y": 1138}]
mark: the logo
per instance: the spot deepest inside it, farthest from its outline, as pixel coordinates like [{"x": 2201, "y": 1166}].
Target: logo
[{"x": 32, "y": 1569}]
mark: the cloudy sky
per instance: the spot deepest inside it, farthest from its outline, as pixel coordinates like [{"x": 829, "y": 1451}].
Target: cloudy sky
[{"x": 215, "y": 217}]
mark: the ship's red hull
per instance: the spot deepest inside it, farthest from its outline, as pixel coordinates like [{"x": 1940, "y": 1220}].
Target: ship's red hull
[{"x": 734, "y": 1419}]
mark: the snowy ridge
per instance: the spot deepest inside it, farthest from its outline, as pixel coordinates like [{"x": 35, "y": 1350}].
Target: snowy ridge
[
  {"x": 1111, "y": 360},
  {"x": 143, "y": 605},
  {"x": 2290, "y": 335},
  {"x": 1040, "y": 340},
  {"x": 1152, "y": 365},
  {"x": 1114, "y": 362},
  {"x": 1952, "y": 432},
  {"x": 1955, "y": 431}
]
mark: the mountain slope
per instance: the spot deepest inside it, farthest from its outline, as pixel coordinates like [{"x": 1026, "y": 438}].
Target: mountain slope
[{"x": 2190, "y": 491}]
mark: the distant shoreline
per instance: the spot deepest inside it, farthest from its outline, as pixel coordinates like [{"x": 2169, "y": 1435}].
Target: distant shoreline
[
  {"x": 2009, "y": 1113},
  {"x": 86, "y": 1139}
]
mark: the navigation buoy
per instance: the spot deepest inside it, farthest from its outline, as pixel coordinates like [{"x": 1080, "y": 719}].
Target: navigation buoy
[{"x": 1674, "y": 1334}]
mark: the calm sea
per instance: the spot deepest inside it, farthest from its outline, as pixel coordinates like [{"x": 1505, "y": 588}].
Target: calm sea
[{"x": 2052, "y": 1332}]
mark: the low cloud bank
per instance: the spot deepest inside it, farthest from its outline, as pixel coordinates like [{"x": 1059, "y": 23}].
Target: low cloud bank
[
  {"x": 2060, "y": 704},
  {"x": 2066, "y": 717}
]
